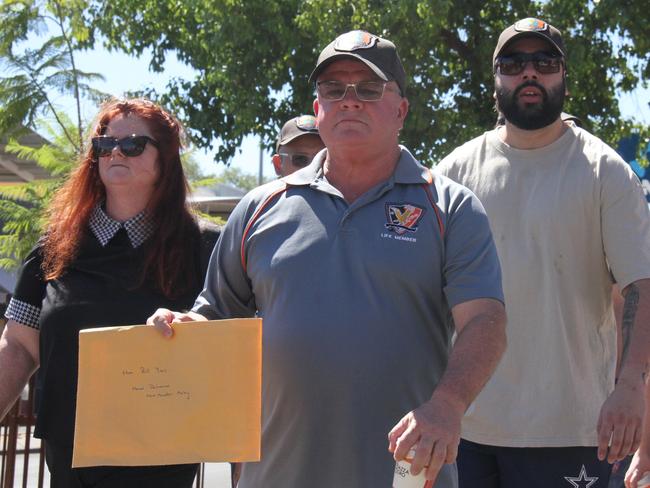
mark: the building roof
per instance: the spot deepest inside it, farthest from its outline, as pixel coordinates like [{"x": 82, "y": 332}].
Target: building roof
[
  {"x": 15, "y": 170},
  {"x": 219, "y": 198}
]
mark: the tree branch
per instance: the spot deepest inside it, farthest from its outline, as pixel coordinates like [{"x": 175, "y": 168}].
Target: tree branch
[
  {"x": 76, "y": 146},
  {"x": 453, "y": 42},
  {"x": 75, "y": 81}
]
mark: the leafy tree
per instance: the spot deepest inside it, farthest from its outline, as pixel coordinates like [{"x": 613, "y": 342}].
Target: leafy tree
[
  {"x": 253, "y": 58},
  {"x": 34, "y": 75},
  {"x": 191, "y": 167},
  {"x": 23, "y": 206},
  {"x": 31, "y": 77}
]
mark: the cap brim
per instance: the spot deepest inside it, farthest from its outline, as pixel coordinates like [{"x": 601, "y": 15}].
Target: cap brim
[
  {"x": 523, "y": 35},
  {"x": 296, "y": 136},
  {"x": 319, "y": 69},
  {"x": 289, "y": 139}
]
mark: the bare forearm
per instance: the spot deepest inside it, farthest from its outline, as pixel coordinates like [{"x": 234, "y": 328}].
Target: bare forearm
[
  {"x": 476, "y": 354},
  {"x": 16, "y": 367},
  {"x": 620, "y": 423},
  {"x": 434, "y": 427},
  {"x": 635, "y": 328}
]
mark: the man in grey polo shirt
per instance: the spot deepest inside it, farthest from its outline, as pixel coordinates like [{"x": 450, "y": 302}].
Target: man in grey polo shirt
[
  {"x": 362, "y": 266},
  {"x": 297, "y": 145}
]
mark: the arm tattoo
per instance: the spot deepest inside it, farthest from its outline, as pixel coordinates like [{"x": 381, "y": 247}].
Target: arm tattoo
[{"x": 629, "y": 314}]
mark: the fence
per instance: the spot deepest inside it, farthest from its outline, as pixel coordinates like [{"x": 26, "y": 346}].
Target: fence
[
  {"x": 18, "y": 448},
  {"x": 18, "y": 445}
]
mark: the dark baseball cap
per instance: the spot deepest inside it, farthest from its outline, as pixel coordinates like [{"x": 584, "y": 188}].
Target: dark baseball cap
[
  {"x": 530, "y": 27},
  {"x": 296, "y": 127},
  {"x": 380, "y": 55}
]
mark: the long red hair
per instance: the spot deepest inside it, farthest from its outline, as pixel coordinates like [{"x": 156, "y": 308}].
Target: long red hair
[{"x": 171, "y": 250}]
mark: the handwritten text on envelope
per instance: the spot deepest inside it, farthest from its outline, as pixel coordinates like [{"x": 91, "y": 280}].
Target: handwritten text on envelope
[{"x": 143, "y": 399}]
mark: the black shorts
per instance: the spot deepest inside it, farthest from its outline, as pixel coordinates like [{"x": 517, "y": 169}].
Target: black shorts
[
  {"x": 617, "y": 479},
  {"x": 531, "y": 467}
]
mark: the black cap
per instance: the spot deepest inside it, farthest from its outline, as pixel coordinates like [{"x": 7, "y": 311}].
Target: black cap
[
  {"x": 380, "y": 55},
  {"x": 296, "y": 127},
  {"x": 530, "y": 27}
]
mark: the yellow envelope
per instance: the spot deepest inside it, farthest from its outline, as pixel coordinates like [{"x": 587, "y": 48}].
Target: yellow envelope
[{"x": 143, "y": 399}]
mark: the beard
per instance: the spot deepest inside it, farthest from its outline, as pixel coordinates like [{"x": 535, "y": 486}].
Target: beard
[{"x": 531, "y": 116}]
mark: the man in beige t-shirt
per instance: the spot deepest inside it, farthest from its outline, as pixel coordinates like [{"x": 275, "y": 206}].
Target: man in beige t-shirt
[{"x": 569, "y": 218}]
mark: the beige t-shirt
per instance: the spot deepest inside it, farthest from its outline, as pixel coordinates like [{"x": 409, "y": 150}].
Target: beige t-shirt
[{"x": 565, "y": 219}]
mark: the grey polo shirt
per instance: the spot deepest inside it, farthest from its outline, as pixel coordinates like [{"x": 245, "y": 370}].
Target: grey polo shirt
[{"x": 356, "y": 303}]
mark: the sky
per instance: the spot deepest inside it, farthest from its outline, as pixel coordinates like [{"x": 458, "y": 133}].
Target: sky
[{"x": 126, "y": 73}]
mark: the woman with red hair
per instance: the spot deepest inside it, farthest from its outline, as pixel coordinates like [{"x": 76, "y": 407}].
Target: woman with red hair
[{"x": 120, "y": 241}]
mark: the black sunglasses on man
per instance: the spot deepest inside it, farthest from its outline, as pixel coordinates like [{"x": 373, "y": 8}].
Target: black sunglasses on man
[{"x": 543, "y": 62}]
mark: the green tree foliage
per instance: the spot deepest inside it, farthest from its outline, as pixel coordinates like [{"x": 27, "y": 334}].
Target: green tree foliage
[
  {"x": 33, "y": 75},
  {"x": 23, "y": 206},
  {"x": 253, "y": 58},
  {"x": 31, "y": 78},
  {"x": 191, "y": 167}
]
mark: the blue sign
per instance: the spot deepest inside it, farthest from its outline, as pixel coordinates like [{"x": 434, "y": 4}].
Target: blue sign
[
  {"x": 645, "y": 183},
  {"x": 627, "y": 149}
]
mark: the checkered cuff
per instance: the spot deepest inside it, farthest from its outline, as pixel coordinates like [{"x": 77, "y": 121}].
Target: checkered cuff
[{"x": 23, "y": 313}]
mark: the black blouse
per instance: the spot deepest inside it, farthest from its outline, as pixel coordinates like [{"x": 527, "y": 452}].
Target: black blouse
[{"x": 100, "y": 288}]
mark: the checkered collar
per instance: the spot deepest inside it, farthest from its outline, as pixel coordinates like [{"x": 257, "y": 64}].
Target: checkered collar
[{"x": 139, "y": 228}]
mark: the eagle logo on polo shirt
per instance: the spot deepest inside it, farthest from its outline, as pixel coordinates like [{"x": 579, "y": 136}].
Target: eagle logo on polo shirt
[{"x": 403, "y": 217}]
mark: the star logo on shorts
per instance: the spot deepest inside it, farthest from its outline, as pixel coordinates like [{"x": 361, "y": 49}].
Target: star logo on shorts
[{"x": 582, "y": 481}]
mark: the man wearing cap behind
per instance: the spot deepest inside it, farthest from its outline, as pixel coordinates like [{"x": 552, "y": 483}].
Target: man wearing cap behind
[
  {"x": 568, "y": 217},
  {"x": 357, "y": 264},
  {"x": 297, "y": 145}
]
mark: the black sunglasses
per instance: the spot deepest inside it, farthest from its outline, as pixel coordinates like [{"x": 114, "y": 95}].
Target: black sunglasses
[
  {"x": 514, "y": 64},
  {"x": 130, "y": 146}
]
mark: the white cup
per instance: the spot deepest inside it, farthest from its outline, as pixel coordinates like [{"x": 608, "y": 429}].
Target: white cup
[
  {"x": 403, "y": 477},
  {"x": 645, "y": 481}
]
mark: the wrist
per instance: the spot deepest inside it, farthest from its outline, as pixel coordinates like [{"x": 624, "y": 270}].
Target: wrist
[
  {"x": 451, "y": 398},
  {"x": 634, "y": 377},
  {"x": 644, "y": 451}
]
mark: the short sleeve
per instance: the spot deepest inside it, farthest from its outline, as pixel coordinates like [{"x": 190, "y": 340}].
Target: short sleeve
[
  {"x": 472, "y": 268},
  {"x": 227, "y": 291},
  {"x": 625, "y": 221},
  {"x": 25, "y": 304}
]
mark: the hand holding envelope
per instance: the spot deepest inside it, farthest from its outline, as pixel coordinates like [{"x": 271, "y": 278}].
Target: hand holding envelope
[{"x": 143, "y": 399}]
